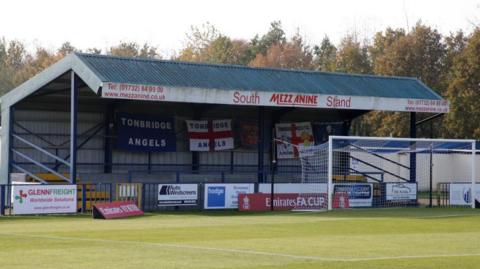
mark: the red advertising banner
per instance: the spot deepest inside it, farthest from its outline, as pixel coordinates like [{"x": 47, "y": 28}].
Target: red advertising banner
[
  {"x": 115, "y": 210},
  {"x": 281, "y": 201}
]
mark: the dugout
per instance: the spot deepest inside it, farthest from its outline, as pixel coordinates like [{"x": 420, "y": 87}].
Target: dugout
[{"x": 64, "y": 121}]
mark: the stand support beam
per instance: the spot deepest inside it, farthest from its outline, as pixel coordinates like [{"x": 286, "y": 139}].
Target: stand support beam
[{"x": 73, "y": 126}]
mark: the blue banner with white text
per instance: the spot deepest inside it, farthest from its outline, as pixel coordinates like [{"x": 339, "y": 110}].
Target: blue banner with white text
[{"x": 145, "y": 133}]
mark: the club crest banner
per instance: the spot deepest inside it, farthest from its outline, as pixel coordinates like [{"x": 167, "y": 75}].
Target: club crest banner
[
  {"x": 210, "y": 135},
  {"x": 248, "y": 134},
  {"x": 299, "y": 133}
]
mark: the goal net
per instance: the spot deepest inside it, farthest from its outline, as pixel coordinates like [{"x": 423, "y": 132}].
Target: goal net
[{"x": 378, "y": 172}]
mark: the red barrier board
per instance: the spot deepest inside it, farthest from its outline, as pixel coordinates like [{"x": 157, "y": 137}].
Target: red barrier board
[
  {"x": 115, "y": 210},
  {"x": 281, "y": 201}
]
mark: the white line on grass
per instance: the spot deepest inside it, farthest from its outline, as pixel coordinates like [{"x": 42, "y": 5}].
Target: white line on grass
[
  {"x": 250, "y": 252},
  {"x": 447, "y": 216}
]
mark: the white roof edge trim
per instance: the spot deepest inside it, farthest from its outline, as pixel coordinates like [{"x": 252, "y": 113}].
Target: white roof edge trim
[
  {"x": 86, "y": 74},
  {"x": 71, "y": 62}
]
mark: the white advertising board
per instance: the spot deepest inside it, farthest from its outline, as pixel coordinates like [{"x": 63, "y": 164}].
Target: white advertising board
[
  {"x": 401, "y": 191},
  {"x": 460, "y": 194},
  {"x": 294, "y": 188},
  {"x": 222, "y": 196},
  {"x": 177, "y": 194},
  {"x": 359, "y": 194},
  {"x": 265, "y": 98},
  {"x": 44, "y": 199}
]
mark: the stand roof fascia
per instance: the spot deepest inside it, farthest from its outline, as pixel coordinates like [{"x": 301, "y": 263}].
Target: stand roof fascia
[{"x": 173, "y": 81}]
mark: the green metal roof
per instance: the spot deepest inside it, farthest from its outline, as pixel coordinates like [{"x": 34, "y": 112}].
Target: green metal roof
[{"x": 233, "y": 77}]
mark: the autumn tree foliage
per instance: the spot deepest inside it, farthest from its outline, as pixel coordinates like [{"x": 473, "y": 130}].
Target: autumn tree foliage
[
  {"x": 448, "y": 64},
  {"x": 463, "y": 91}
]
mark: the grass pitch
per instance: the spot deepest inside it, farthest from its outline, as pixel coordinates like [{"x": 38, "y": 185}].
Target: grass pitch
[{"x": 382, "y": 238}]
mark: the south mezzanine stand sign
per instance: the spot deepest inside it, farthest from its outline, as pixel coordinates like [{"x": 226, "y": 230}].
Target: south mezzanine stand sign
[{"x": 160, "y": 93}]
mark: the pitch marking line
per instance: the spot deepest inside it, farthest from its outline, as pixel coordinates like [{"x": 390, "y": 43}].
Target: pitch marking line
[
  {"x": 447, "y": 216},
  {"x": 250, "y": 252}
]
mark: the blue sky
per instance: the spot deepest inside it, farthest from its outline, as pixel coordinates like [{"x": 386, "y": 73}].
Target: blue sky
[{"x": 97, "y": 23}]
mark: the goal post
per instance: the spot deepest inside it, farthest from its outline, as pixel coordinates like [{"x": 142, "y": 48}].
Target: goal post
[{"x": 382, "y": 172}]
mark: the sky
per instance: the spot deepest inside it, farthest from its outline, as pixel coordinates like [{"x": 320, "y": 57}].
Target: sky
[{"x": 164, "y": 24}]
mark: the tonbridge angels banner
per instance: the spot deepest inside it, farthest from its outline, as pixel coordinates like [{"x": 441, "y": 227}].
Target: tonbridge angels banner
[
  {"x": 210, "y": 135},
  {"x": 290, "y": 135},
  {"x": 146, "y": 133}
]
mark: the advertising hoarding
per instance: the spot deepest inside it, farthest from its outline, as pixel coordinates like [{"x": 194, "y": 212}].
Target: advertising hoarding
[
  {"x": 177, "y": 194},
  {"x": 359, "y": 194},
  {"x": 223, "y": 196},
  {"x": 44, "y": 199}
]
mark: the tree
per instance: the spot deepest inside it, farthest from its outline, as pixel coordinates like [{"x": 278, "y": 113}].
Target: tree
[
  {"x": 294, "y": 54},
  {"x": 275, "y": 35},
  {"x": 94, "y": 51},
  {"x": 65, "y": 49},
  {"x": 197, "y": 42},
  {"x": 207, "y": 44},
  {"x": 381, "y": 42},
  {"x": 15, "y": 55},
  {"x": 218, "y": 51},
  {"x": 6, "y": 73},
  {"x": 325, "y": 56},
  {"x": 419, "y": 53},
  {"x": 352, "y": 57},
  {"x": 12, "y": 59},
  {"x": 464, "y": 92},
  {"x": 241, "y": 53},
  {"x": 455, "y": 44},
  {"x": 133, "y": 49}
]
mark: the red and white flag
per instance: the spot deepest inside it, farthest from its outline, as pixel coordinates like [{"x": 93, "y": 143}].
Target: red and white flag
[
  {"x": 210, "y": 135},
  {"x": 290, "y": 135}
]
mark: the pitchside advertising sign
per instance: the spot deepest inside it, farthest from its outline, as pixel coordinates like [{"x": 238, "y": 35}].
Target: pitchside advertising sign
[
  {"x": 177, "y": 194},
  {"x": 401, "y": 191},
  {"x": 223, "y": 196},
  {"x": 287, "y": 196},
  {"x": 263, "y": 98},
  {"x": 44, "y": 199},
  {"x": 359, "y": 194},
  {"x": 145, "y": 133},
  {"x": 461, "y": 194},
  {"x": 282, "y": 201}
]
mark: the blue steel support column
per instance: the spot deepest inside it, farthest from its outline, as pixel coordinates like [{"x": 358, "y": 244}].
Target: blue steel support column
[
  {"x": 10, "y": 144},
  {"x": 413, "y": 156},
  {"x": 107, "y": 149},
  {"x": 73, "y": 126},
  {"x": 261, "y": 144}
]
